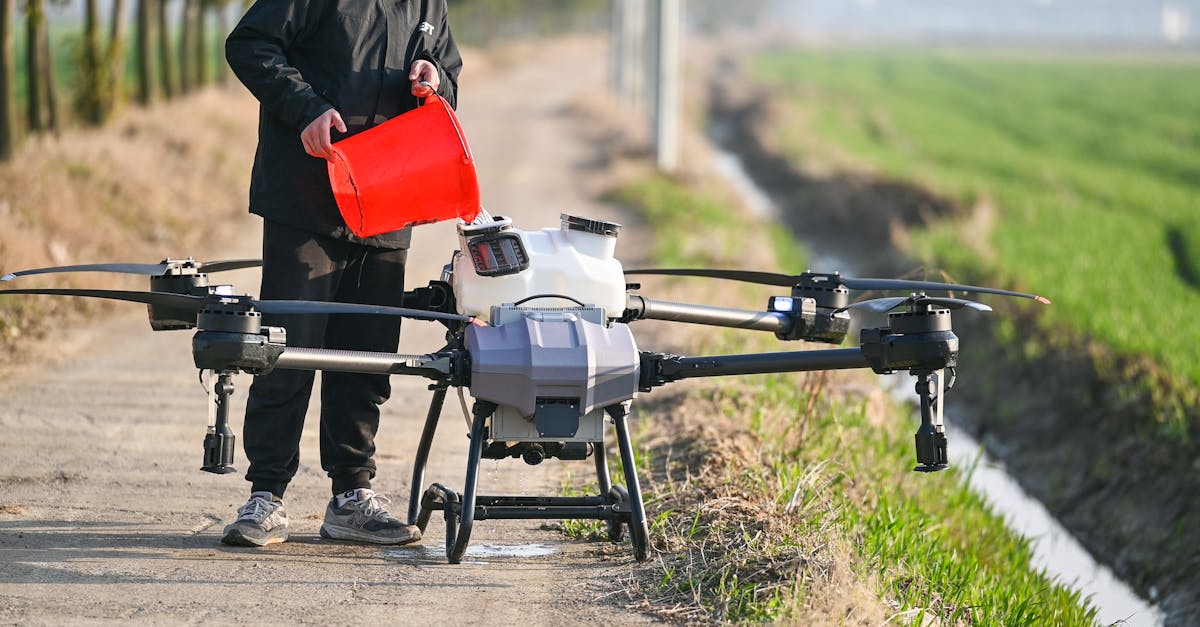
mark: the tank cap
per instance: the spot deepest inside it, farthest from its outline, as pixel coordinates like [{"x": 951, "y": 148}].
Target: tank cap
[
  {"x": 497, "y": 225},
  {"x": 587, "y": 225}
]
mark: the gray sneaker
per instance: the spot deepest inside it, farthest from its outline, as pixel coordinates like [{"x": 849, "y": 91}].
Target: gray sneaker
[
  {"x": 365, "y": 519},
  {"x": 261, "y": 521}
]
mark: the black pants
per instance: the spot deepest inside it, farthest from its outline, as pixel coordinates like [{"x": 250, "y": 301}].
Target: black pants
[{"x": 298, "y": 265}]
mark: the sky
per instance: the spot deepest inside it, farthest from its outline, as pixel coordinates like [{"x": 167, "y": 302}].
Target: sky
[
  {"x": 1134, "y": 22},
  {"x": 1131, "y": 22}
]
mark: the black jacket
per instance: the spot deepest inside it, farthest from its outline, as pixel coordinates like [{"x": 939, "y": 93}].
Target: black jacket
[{"x": 301, "y": 58}]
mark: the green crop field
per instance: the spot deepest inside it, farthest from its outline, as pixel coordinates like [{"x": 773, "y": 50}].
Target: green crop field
[{"x": 1089, "y": 169}]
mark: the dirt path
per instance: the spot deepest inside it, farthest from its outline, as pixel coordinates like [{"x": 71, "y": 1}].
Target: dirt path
[{"x": 105, "y": 517}]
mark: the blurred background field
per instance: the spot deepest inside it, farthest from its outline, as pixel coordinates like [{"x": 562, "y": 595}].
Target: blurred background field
[{"x": 1084, "y": 172}]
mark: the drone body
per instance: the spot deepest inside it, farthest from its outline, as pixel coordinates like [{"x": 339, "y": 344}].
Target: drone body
[{"x": 538, "y": 328}]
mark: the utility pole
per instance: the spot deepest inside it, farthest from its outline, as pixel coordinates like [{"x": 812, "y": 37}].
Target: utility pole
[
  {"x": 650, "y": 68},
  {"x": 629, "y": 24},
  {"x": 616, "y": 41},
  {"x": 667, "y": 84},
  {"x": 646, "y": 69}
]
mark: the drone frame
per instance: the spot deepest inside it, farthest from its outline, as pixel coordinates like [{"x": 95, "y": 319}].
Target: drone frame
[{"x": 230, "y": 337}]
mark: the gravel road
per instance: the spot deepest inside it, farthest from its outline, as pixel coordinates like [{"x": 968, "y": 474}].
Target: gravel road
[{"x": 105, "y": 517}]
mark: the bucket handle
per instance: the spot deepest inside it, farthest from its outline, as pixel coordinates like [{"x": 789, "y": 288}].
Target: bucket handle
[{"x": 462, "y": 140}]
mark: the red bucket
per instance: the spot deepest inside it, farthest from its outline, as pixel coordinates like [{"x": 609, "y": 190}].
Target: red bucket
[{"x": 416, "y": 168}]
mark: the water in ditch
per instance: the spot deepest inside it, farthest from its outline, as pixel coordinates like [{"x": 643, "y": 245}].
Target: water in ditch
[{"x": 1055, "y": 550}]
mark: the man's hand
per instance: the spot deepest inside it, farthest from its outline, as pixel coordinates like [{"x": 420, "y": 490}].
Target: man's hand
[
  {"x": 315, "y": 136},
  {"x": 423, "y": 71}
]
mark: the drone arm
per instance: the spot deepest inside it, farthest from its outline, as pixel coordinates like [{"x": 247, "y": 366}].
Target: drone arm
[
  {"x": 642, "y": 308},
  {"x": 659, "y": 369},
  {"x": 438, "y": 366}
]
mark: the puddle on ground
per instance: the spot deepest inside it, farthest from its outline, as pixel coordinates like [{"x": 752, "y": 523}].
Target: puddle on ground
[{"x": 477, "y": 551}]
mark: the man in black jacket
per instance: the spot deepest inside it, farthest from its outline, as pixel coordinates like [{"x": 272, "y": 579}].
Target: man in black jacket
[{"x": 318, "y": 66}]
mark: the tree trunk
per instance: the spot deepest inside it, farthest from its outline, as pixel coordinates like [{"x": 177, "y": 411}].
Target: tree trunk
[
  {"x": 8, "y": 139},
  {"x": 166, "y": 63},
  {"x": 187, "y": 59},
  {"x": 145, "y": 56},
  {"x": 115, "y": 58},
  {"x": 222, "y": 32},
  {"x": 89, "y": 96},
  {"x": 50, "y": 83},
  {"x": 201, "y": 50},
  {"x": 35, "y": 29}
]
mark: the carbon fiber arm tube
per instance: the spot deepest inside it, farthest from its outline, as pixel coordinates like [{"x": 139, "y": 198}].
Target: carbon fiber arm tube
[
  {"x": 658, "y": 369},
  {"x": 432, "y": 366},
  {"x": 642, "y": 308}
]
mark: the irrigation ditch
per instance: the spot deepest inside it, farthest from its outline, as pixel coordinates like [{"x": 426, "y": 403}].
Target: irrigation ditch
[{"x": 1108, "y": 443}]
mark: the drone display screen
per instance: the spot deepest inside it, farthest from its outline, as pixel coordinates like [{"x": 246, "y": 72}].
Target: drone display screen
[{"x": 499, "y": 255}]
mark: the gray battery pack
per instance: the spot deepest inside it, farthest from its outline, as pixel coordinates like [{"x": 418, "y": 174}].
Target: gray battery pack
[{"x": 551, "y": 371}]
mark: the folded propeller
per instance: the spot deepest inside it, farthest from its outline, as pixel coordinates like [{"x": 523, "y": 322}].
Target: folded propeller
[
  {"x": 282, "y": 307},
  {"x": 834, "y": 281},
  {"x": 884, "y": 305},
  {"x": 167, "y": 267}
]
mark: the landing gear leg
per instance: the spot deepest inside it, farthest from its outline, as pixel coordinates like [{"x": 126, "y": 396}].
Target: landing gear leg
[
  {"x": 613, "y": 495},
  {"x": 639, "y": 533},
  {"x": 456, "y": 547},
  {"x": 418, "y": 474}
]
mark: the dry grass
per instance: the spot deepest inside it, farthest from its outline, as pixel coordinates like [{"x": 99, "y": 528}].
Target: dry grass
[
  {"x": 727, "y": 548},
  {"x": 166, "y": 181}
]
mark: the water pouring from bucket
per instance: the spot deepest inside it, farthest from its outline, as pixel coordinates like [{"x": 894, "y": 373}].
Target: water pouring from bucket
[{"x": 416, "y": 168}]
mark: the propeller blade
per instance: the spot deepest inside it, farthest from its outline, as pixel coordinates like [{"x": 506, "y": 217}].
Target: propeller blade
[
  {"x": 227, "y": 264},
  {"x": 748, "y": 276},
  {"x": 285, "y": 307},
  {"x": 884, "y": 305},
  {"x": 921, "y": 286},
  {"x": 266, "y": 306},
  {"x": 147, "y": 269},
  {"x": 151, "y": 269},
  {"x": 149, "y": 298},
  {"x": 877, "y": 305},
  {"x": 789, "y": 280},
  {"x": 952, "y": 303}
]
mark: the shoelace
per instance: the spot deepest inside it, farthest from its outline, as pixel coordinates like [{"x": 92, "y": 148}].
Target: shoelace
[
  {"x": 256, "y": 509},
  {"x": 373, "y": 508}
]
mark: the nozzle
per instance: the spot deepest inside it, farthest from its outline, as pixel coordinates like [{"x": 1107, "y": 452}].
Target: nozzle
[
  {"x": 218, "y": 452},
  {"x": 219, "y": 442},
  {"x": 534, "y": 454},
  {"x": 931, "y": 449}
]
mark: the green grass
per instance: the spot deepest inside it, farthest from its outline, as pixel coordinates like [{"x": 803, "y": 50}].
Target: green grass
[
  {"x": 830, "y": 476},
  {"x": 930, "y": 542},
  {"x": 1093, "y": 167}
]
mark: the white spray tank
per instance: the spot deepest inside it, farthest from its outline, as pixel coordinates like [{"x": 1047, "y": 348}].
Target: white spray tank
[{"x": 499, "y": 264}]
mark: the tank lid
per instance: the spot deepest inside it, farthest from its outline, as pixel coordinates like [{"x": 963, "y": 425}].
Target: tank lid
[
  {"x": 587, "y": 225},
  {"x": 498, "y": 224}
]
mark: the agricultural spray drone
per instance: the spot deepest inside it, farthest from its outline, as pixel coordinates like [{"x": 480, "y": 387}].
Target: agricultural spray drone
[{"x": 538, "y": 329}]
